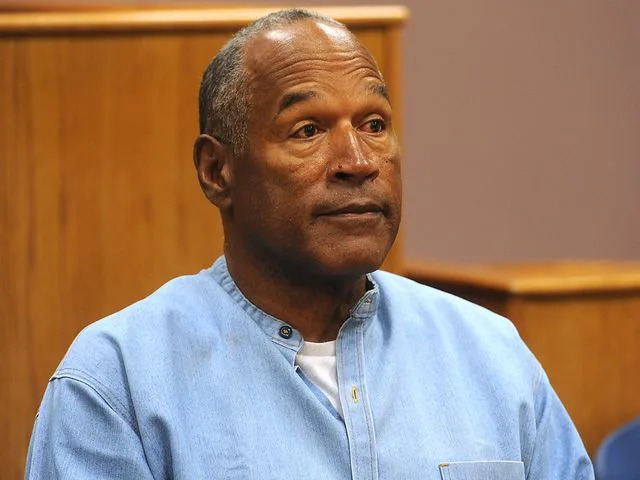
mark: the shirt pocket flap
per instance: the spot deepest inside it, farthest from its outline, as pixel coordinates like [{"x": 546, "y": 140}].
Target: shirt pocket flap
[{"x": 486, "y": 470}]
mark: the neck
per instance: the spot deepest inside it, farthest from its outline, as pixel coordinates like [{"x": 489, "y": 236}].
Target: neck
[{"x": 316, "y": 307}]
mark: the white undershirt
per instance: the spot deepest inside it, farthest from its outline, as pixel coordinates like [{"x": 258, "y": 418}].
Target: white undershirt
[{"x": 318, "y": 363}]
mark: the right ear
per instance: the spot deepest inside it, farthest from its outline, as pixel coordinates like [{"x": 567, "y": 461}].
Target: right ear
[{"x": 212, "y": 159}]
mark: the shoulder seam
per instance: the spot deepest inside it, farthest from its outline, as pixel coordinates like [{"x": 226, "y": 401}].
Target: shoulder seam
[{"x": 103, "y": 392}]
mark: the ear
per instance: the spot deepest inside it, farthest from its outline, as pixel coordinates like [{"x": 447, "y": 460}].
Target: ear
[{"x": 212, "y": 160}]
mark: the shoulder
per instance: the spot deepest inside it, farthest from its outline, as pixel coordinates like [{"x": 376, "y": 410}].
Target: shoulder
[
  {"x": 136, "y": 342},
  {"x": 469, "y": 335},
  {"x": 187, "y": 297},
  {"x": 426, "y": 304}
]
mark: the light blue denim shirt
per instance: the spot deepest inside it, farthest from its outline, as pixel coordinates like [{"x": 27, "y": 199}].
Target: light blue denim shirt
[{"x": 195, "y": 382}]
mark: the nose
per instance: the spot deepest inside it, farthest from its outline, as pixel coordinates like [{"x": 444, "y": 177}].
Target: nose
[{"x": 350, "y": 162}]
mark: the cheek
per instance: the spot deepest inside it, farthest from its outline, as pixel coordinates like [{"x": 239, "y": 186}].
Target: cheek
[
  {"x": 274, "y": 205},
  {"x": 391, "y": 172},
  {"x": 285, "y": 186}
]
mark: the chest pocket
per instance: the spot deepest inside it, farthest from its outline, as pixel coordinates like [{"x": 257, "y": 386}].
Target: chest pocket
[{"x": 494, "y": 470}]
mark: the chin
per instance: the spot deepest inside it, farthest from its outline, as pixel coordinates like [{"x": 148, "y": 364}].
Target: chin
[{"x": 353, "y": 259}]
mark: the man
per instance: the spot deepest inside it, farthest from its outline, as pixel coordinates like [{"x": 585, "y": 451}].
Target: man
[{"x": 287, "y": 358}]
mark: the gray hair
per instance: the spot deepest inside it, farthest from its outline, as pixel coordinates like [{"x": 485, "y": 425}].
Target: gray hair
[{"x": 223, "y": 98}]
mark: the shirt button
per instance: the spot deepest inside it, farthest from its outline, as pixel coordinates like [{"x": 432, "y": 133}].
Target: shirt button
[{"x": 286, "y": 331}]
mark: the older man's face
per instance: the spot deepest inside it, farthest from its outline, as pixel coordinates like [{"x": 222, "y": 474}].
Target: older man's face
[{"x": 319, "y": 189}]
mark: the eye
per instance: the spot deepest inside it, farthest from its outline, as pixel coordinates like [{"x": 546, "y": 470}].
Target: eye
[
  {"x": 376, "y": 125},
  {"x": 307, "y": 131}
]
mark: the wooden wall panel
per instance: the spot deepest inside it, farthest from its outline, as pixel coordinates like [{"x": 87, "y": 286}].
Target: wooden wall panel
[{"x": 99, "y": 200}]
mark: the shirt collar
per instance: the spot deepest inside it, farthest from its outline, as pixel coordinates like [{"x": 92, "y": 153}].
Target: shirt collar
[{"x": 273, "y": 327}]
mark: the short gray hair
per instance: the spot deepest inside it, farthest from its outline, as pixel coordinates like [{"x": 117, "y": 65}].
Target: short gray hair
[{"x": 223, "y": 98}]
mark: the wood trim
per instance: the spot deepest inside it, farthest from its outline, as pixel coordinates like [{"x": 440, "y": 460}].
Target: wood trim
[
  {"x": 533, "y": 278},
  {"x": 28, "y": 23}
]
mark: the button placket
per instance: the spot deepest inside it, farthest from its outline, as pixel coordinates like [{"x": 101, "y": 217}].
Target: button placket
[{"x": 357, "y": 411}]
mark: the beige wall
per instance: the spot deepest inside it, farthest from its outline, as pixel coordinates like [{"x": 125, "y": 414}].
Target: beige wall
[
  {"x": 522, "y": 128},
  {"x": 523, "y": 141}
]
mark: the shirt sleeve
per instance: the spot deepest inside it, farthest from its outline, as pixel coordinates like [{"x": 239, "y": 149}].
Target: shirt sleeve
[
  {"x": 79, "y": 435},
  {"x": 558, "y": 452}
]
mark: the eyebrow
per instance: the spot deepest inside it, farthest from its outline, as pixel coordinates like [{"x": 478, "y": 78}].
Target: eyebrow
[
  {"x": 291, "y": 99},
  {"x": 380, "y": 89}
]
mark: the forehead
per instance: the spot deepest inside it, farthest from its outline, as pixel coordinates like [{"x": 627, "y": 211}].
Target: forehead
[{"x": 306, "y": 51}]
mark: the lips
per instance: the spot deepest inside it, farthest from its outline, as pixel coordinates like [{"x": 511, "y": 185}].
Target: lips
[{"x": 353, "y": 208}]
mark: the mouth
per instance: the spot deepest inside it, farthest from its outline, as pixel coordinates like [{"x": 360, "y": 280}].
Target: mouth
[{"x": 354, "y": 209}]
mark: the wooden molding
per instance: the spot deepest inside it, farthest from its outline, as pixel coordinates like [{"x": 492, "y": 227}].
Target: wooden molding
[
  {"x": 533, "y": 278},
  {"x": 193, "y": 18}
]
